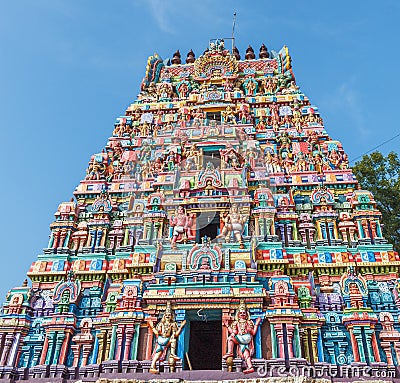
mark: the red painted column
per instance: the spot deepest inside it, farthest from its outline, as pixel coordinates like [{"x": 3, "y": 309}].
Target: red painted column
[
  {"x": 354, "y": 345},
  {"x": 375, "y": 347},
  {"x": 87, "y": 348},
  {"x": 129, "y": 331},
  {"x": 120, "y": 334},
  {"x": 149, "y": 345},
  {"x": 44, "y": 351},
  {"x": 279, "y": 336},
  {"x": 76, "y": 349},
  {"x": 225, "y": 317}
]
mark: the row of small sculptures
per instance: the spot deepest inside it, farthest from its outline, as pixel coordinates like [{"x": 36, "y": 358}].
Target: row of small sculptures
[
  {"x": 234, "y": 116},
  {"x": 241, "y": 334},
  {"x": 301, "y": 162},
  {"x": 241, "y": 111},
  {"x": 247, "y": 86},
  {"x": 144, "y": 166}
]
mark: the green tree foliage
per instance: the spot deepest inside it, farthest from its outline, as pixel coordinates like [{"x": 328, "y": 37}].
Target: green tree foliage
[{"x": 381, "y": 176}]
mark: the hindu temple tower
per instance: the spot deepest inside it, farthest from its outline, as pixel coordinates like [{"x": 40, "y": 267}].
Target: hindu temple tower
[{"x": 221, "y": 229}]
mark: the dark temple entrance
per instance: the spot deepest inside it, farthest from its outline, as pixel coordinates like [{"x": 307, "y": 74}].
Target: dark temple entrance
[
  {"x": 205, "y": 345},
  {"x": 208, "y": 225}
]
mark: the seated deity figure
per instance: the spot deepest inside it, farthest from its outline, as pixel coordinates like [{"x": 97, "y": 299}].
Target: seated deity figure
[
  {"x": 233, "y": 223},
  {"x": 229, "y": 116},
  {"x": 192, "y": 158},
  {"x": 198, "y": 117},
  {"x": 241, "y": 333},
  {"x": 166, "y": 331},
  {"x": 181, "y": 224}
]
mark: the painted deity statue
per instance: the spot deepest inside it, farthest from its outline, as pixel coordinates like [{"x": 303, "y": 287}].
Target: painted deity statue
[
  {"x": 241, "y": 334},
  {"x": 192, "y": 158},
  {"x": 167, "y": 332},
  {"x": 181, "y": 224},
  {"x": 233, "y": 223}
]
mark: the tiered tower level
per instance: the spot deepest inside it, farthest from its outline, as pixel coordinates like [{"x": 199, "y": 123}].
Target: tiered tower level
[{"x": 219, "y": 195}]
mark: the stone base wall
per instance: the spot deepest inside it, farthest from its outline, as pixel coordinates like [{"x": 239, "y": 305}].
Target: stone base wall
[{"x": 271, "y": 371}]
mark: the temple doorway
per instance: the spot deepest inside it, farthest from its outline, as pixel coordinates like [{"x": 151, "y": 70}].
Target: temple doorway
[
  {"x": 214, "y": 116},
  {"x": 208, "y": 224},
  {"x": 213, "y": 156},
  {"x": 205, "y": 351}
]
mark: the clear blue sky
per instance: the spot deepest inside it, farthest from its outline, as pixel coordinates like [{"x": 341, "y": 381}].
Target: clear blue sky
[{"x": 69, "y": 67}]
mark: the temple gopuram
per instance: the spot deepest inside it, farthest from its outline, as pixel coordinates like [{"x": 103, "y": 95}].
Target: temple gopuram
[{"x": 219, "y": 234}]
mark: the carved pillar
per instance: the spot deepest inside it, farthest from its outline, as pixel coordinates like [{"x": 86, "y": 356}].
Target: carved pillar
[
  {"x": 112, "y": 237},
  {"x": 149, "y": 345},
  {"x": 314, "y": 343},
  {"x": 64, "y": 348},
  {"x": 37, "y": 349},
  {"x": 108, "y": 343},
  {"x": 112, "y": 343},
  {"x": 25, "y": 359},
  {"x": 90, "y": 238},
  {"x": 397, "y": 350},
  {"x": 259, "y": 226},
  {"x": 372, "y": 345},
  {"x": 18, "y": 346},
  {"x": 103, "y": 235},
  {"x": 358, "y": 346},
  {"x": 52, "y": 335},
  {"x": 225, "y": 317},
  {"x": 51, "y": 241},
  {"x": 6, "y": 349},
  {"x": 59, "y": 342},
  {"x": 125, "y": 237},
  {"x": 388, "y": 352},
  {"x": 63, "y": 235},
  {"x": 12, "y": 349},
  {"x": 76, "y": 349},
  {"x": 87, "y": 348},
  {"x": 330, "y": 347},
  {"x": 180, "y": 316},
  {"x": 364, "y": 225},
  {"x": 101, "y": 337},
  {"x": 129, "y": 331},
  {"x": 95, "y": 353},
  {"x": 44, "y": 351},
  {"x": 56, "y": 239},
  {"x": 279, "y": 336},
  {"x": 120, "y": 337},
  {"x": 273, "y": 341},
  {"x": 135, "y": 343},
  {"x": 290, "y": 332},
  {"x": 343, "y": 233},
  {"x": 304, "y": 339}
]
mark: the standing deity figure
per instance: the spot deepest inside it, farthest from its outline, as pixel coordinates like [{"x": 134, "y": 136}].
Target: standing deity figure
[
  {"x": 241, "y": 333},
  {"x": 233, "y": 223},
  {"x": 166, "y": 331},
  {"x": 181, "y": 224}
]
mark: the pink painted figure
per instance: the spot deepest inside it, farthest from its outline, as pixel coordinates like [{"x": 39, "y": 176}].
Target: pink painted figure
[
  {"x": 181, "y": 224},
  {"x": 242, "y": 331}
]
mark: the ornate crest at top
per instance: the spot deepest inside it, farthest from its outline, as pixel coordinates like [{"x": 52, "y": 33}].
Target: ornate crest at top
[{"x": 215, "y": 63}]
